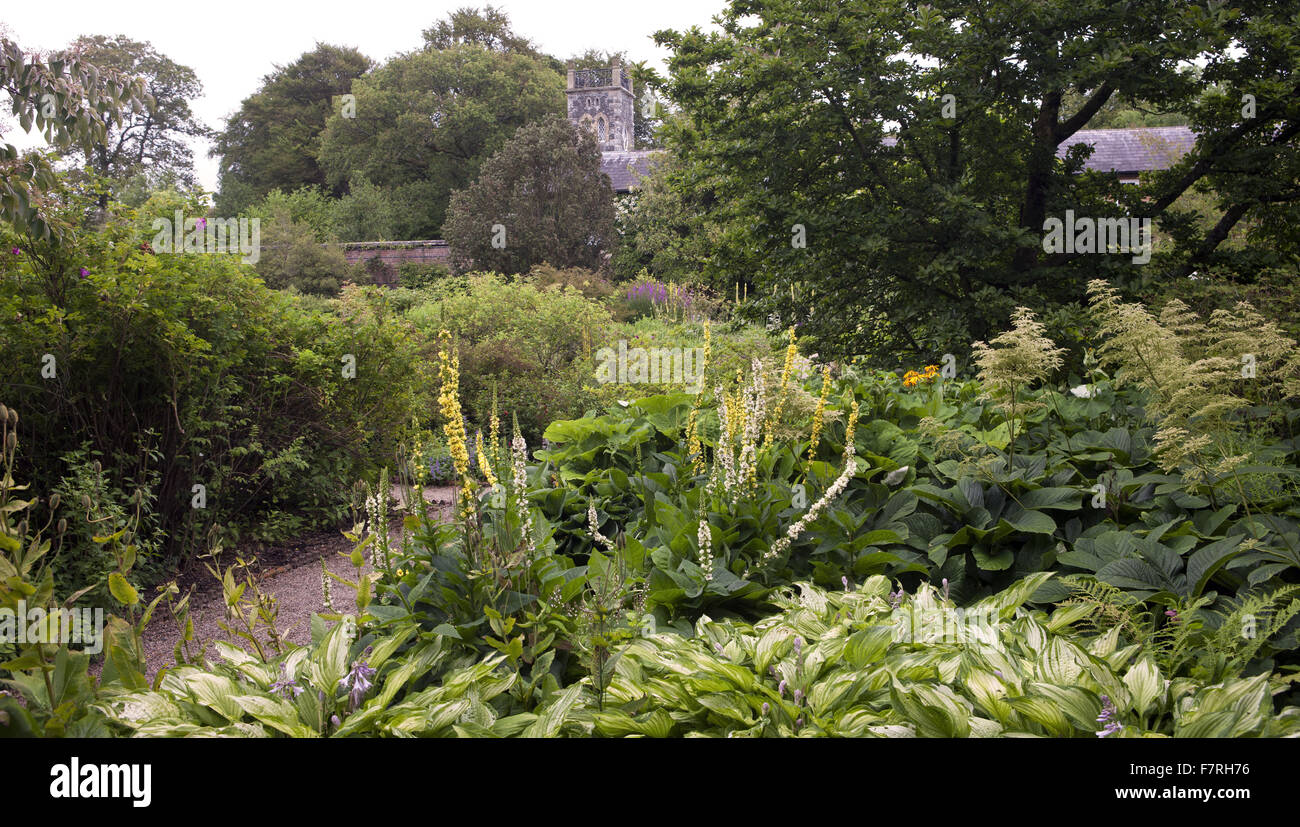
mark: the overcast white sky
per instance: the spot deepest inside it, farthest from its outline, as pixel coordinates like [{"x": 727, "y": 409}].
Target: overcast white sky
[{"x": 234, "y": 43}]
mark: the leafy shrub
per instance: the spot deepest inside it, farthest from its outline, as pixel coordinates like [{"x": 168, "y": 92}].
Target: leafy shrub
[
  {"x": 415, "y": 275},
  {"x": 293, "y": 257},
  {"x": 941, "y": 488},
  {"x": 589, "y": 283},
  {"x": 179, "y": 370},
  {"x": 96, "y": 507},
  {"x": 544, "y": 186},
  {"x": 308, "y": 208},
  {"x": 524, "y": 340}
]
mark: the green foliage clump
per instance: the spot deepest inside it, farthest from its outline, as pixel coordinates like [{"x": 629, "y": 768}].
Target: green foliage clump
[
  {"x": 1200, "y": 376},
  {"x": 414, "y": 275},
  {"x": 541, "y": 199},
  {"x": 177, "y": 370},
  {"x": 525, "y": 341},
  {"x": 678, "y": 567},
  {"x": 292, "y": 257},
  {"x": 448, "y": 110},
  {"x": 271, "y": 141}
]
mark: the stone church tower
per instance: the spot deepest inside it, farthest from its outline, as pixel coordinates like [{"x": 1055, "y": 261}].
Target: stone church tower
[{"x": 601, "y": 100}]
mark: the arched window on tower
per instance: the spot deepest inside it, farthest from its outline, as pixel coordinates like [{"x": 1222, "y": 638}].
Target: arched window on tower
[{"x": 602, "y": 129}]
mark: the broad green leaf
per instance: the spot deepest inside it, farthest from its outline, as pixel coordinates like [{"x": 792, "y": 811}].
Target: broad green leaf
[
  {"x": 868, "y": 645},
  {"x": 1043, "y": 712},
  {"x": 549, "y": 721},
  {"x": 1144, "y": 684},
  {"x": 1060, "y": 662},
  {"x": 123, "y": 591}
]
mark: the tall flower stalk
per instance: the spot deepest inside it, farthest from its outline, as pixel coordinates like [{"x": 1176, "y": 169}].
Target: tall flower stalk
[
  {"x": 484, "y": 463},
  {"x": 791, "y": 351},
  {"x": 519, "y": 481},
  {"x": 494, "y": 430},
  {"x": 724, "y": 468},
  {"x": 820, "y": 415},
  {"x": 453, "y": 427},
  {"x": 836, "y": 488},
  {"x": 377, "y": 520},
  {"x": 705, "y": 538},
  {"x": 754, "y": 401},
  {"x": 1012, "y": 363}
]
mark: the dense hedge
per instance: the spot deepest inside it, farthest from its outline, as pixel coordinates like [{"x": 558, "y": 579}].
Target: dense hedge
[{"x": 152, "y": 372}]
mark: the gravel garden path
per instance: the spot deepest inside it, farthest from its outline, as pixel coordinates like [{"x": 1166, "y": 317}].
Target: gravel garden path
[{"x": 291, "y": 572}]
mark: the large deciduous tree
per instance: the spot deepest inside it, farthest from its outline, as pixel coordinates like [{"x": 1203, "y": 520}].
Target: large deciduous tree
[
  {"x": 152, "y": 143},
  {"x": 886, "y": 217},
  {"x": 425, "y": 121},
  {"x": 541, "y": 199},
  {"x": 74, "y": 105},
  {"x": 272, "y": 141},
  {"x": 489, "y": 28}
]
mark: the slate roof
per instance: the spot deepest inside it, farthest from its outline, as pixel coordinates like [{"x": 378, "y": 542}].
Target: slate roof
[
  {"x": 1132, "y": 150},
  {"x": 624, "y": 168}
]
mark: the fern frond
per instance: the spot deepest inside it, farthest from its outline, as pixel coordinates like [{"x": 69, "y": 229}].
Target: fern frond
[{"x": 1110, "y": 607}]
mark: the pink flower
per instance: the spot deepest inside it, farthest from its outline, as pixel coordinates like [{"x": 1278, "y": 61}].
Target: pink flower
[
  {"x": 84, "y": 272},
  {"x": 15, "y": 251}
]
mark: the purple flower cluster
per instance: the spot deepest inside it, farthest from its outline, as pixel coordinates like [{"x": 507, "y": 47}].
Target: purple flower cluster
[
  {"x": 357, "y": 682},
  {"x": 286, "y": 686},
  {"x": 652, "y": 290},
  {"x": 1107, "y": 717},
  {"x": 896, "y": 598},
  {"x": 657, "y": 293}
]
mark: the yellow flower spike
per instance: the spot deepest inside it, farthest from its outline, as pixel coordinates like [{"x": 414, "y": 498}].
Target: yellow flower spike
[
  {"x": 694, "y": 448},
  {"x": 820, "y": 414},
  {"x": 852, "y": 425},
  {"x": 453, "y": 426},
  {"x": 483, "y": 464},
  {"x": 775, "y": 417},
  {"x": 708, "y": 347},
  {"x": 494, "y": 429}
]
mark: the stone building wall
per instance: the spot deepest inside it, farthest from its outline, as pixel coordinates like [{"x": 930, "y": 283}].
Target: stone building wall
[{"x": 601, "y": 100}]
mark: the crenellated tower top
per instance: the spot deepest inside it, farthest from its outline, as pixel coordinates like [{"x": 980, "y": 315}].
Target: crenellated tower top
[{"x": 601, "y": 101}]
